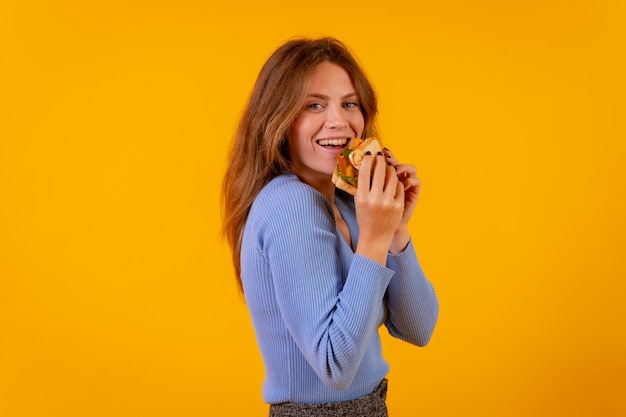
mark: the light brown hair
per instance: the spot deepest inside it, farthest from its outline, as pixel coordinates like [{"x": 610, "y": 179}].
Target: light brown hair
[{"x": 257, "y": 153}]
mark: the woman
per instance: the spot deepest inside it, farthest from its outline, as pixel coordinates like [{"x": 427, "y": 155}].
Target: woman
[{"x": 321, "y": 270}]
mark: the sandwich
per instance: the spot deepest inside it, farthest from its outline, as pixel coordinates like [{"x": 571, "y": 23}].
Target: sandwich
[{"x": 346, "y": 173}]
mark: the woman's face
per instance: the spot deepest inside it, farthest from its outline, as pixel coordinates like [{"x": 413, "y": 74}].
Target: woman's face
[{"x": 330, "y": 119}]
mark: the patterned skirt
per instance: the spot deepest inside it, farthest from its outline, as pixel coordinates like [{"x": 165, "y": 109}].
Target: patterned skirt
[{"x": 372, "y": 405}]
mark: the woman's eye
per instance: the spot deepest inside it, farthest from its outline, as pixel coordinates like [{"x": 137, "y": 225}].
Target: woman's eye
[
  {"x": 314, "y": 106},
  {"x": 351, "y": 104}
]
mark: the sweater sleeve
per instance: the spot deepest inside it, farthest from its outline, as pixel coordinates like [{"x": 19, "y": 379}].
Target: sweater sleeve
[
  {"x": 412, "y": 304},
  {"x": 331, "y": 321}
]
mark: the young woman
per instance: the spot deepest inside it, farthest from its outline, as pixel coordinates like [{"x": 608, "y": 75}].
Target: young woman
[{"x": 322, "y": 270}]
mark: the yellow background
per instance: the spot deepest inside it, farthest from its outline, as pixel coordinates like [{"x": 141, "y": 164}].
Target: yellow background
[{"x": 116, "y": 292}]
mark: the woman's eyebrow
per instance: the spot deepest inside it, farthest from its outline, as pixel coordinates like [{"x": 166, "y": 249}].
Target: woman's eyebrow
[{"x": 323, "y": 96}]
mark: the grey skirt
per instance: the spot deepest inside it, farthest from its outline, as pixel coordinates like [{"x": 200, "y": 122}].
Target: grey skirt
[{"x": 372, "y": 405}]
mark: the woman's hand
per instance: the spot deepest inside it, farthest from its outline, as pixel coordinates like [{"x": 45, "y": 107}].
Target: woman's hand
[
  {"x": 407, "y": 174},
  {"x": 380, "y": 207}
]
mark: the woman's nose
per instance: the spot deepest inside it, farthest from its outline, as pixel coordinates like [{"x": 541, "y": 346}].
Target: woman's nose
[
  {"x": 337, "y": 124},
  {"x": 336, "y": 119}
]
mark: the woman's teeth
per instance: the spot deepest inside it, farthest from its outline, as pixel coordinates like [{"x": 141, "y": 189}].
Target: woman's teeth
[{"x": 332, "y": 142}]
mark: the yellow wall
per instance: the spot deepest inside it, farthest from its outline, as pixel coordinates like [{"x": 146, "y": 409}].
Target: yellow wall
[{"x": 116, "y": 293}]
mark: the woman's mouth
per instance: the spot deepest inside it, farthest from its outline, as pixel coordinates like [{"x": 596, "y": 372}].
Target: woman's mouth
[{"x": 340, "y": 142}]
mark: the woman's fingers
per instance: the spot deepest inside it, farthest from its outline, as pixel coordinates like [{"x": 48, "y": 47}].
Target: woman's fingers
[
  {"x": 407, "y": 171},
  {"x": 407, "y": 186},
  {"x": 400, "y": 188},
  {"x": 403, "y": 171},
  {"x": 374, "y": 174},
  {"x": 392, "y": 179},
  {"x": 380, "y": 180},
  {"x": 379, "y": 173},
  {"x": 365, "y": 174},
  {"x": 390, "y": 158}
]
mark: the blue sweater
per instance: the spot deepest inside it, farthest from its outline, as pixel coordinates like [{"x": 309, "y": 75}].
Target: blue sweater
[{"x": 316, "y": 306}]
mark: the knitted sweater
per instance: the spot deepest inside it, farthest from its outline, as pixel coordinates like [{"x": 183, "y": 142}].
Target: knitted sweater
[{"x": 316, "y": 306}]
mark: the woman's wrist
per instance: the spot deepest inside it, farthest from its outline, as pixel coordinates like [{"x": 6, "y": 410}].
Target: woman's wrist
[
  {"x": 374, "y": 248},
  {"x": 400, "y": 240}
]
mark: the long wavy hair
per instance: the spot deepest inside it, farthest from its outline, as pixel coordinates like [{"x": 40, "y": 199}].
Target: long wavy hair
[{"x": 257, "y": 153}]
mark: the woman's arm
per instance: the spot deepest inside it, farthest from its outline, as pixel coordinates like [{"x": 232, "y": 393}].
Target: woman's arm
[
  {"x": 412, "y": 303},
  {"x": 413, "y": 307},
  {"x": 331, "y": 323}
]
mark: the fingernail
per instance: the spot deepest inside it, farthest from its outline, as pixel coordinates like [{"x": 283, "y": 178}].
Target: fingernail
[
  {"x": 389, "y": 163},
  {"x": 379, "y": 153},
  {"x": 368, "y": 153},
  {"x": 387, "y": 149}
]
